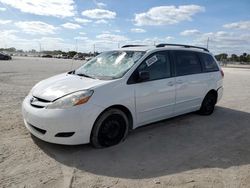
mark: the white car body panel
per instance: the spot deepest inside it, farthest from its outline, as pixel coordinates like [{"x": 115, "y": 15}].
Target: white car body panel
[
  {"x": 154, "y": 100},
  {"x": 62, "y": 84},
  {"x": 190, "y": 91},
  {"x": 76, "y": 119}
]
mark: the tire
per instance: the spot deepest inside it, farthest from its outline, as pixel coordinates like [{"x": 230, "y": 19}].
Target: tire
[
  {"x": 208, "y": 104},
  {"x": 110, "y": 129}
]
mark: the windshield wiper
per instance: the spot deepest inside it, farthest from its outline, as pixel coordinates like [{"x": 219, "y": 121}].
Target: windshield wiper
[
  {"x": 80, "y": 74},
  {"x": 85, "y": 75}
]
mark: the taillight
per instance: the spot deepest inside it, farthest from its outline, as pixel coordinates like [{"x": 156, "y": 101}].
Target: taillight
[{"x": 222, "y": 73}]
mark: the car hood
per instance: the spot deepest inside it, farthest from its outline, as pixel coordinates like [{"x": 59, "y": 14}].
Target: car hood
[{"x": 63, "y": 84}]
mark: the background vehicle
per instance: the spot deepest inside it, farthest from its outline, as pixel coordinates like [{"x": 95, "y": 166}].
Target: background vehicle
[
  {"x": 47, "y": 56},
  {"x": 121, "y": 90},
  {"x": 79, "y": 56},
  {"x": 4, "y": 56}
]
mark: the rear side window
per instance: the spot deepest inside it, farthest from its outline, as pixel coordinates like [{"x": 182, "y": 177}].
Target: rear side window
[
  {"x": 158, "y": 66},
  {"x": 187, "y": 63},
  {"x": 209, "y": 63}
]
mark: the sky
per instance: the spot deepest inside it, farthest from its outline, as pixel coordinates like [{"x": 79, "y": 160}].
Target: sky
[{"x": 83, "y": 25}]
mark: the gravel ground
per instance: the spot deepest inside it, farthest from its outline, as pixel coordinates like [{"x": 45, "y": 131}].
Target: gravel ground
[{"x": 186, "y": 151}]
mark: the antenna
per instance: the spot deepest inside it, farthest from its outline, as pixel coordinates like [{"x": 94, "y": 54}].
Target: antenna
[{"x": 207, "y": 42}]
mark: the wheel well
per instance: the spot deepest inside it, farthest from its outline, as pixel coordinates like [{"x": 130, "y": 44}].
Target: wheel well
[
  {"x": 125, "y": 110},
  {"x": 214, "y": 92}
]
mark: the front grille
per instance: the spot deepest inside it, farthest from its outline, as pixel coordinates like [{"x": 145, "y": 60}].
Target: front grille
[{"x": 38, "y": 102}]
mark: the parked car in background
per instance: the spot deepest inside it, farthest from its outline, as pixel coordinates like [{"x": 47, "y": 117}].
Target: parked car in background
[
  {"x": 4, "y": 56},
  {"x": 79, "y": 56},
  {"x": 62, "y": 56},
  {"x": 120, "y": 90},
  {"x": 89, "y": 58},
  {"x": 47, "y": 56}
]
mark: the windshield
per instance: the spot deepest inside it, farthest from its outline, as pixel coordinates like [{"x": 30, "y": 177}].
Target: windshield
[{"x": 110, "y": 65}]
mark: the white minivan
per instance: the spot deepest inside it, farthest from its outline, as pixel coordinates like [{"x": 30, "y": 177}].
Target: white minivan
[{"x": 120, "y": 90}]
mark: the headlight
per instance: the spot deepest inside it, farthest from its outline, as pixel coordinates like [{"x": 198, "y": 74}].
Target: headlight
[{"x": 73, "y": 99}]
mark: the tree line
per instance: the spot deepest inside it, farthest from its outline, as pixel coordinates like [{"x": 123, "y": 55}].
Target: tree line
[{"x": 235, "y": 58}]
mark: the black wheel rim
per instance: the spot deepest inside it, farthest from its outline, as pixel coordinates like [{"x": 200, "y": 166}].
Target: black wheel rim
[{"x": 112, "y": 130}]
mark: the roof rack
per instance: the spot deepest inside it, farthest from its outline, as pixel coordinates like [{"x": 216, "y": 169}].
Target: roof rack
[
  {"x": 182, "y": 45},
  {"x": 132, "y": 45}
]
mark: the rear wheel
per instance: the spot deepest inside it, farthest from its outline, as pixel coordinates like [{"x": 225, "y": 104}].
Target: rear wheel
[
  {"x": 110, "y": 128},
  {"x": 208, "y": 104}
]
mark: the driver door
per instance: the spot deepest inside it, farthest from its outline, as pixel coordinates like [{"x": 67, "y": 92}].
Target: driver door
[{"x": 155, "y": 97}]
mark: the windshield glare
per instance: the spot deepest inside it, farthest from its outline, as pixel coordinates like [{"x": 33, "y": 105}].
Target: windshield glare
[{"x": 110, "y": 65}]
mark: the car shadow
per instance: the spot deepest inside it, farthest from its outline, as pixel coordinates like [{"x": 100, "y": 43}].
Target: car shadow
[{"x": 171, "y": 146}]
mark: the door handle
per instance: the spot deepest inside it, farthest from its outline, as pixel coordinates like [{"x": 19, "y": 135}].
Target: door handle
[
  {"x": 170, "y": 83},
  {"x": 211, "y": 76},
  {"x": 179, "y": 81}
]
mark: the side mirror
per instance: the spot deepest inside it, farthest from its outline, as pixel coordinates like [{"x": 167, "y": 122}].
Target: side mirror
[{"x": 143, "y": 76}]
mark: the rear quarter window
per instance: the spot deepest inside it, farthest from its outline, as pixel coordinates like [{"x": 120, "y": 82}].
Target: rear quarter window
[{"x": 208, "y": 62}]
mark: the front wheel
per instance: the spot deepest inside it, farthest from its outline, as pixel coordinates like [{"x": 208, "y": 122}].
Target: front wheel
[
  {"x": 208, "y": 104},
  {"x": 110, "y": 128}
]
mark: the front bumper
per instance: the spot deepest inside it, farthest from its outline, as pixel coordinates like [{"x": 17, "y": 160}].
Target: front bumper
[{"x": 73, "y": 125}]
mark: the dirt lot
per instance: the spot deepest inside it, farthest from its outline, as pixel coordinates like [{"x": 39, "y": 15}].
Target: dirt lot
[{"x": 186, "y": 151}]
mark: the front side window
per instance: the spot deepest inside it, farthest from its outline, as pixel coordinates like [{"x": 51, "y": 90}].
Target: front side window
[
  {"x": 158, "y": 66},
  {"x": 110, "y": 65},
  {"x": 187, "y": 63},
  {"x": 209, "y": 63}
]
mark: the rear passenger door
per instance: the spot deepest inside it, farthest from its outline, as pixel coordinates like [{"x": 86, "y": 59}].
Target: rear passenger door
[{"x": 191, "y": 83}]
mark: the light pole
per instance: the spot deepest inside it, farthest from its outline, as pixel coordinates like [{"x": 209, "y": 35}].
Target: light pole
[
  {"x": 76, "y": 45},
  {"x": 94, "y": 49}
]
